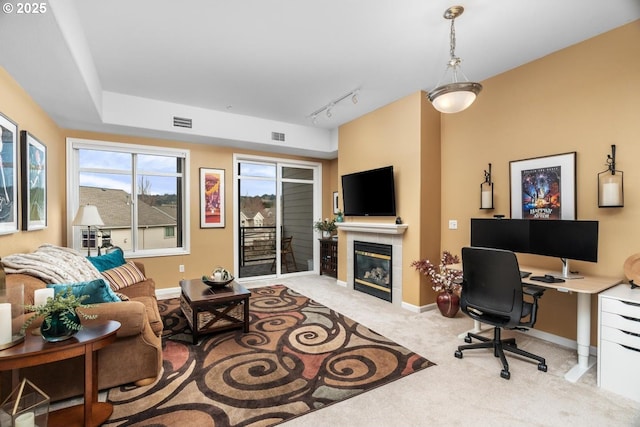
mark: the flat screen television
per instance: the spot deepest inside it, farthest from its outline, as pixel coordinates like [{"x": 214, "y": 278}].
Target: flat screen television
[{"x": 369, "y": 193}]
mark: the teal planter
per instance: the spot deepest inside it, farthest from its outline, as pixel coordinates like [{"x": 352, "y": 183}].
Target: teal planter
[{"x": 54, "y": 329}]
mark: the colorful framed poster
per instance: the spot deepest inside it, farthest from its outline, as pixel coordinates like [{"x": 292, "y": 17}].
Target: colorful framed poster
[
  {"x": 544, "y": 187},
  {"x": 211, "y": 198},
  {"x": 34, "y": 182},
  {"x": 8, "y": 176}
]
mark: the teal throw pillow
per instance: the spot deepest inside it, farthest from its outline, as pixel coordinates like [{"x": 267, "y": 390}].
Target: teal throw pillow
[
  {"x": 98, "y": 290},
  {"x": 108, "y": 261}
]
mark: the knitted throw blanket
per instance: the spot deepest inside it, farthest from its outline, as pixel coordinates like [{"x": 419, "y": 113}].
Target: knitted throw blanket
[{"x": 53, "y": 264}]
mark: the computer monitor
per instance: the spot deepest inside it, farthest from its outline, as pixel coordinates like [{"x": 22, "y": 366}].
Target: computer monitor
[
  {"x": 511, "y": 235},
  {"x": 565, "y": 239}
]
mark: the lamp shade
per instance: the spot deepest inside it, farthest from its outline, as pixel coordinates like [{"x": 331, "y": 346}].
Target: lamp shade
[
  {"x": 454, "y": 97},
  {"x": 87, "y": 216}
]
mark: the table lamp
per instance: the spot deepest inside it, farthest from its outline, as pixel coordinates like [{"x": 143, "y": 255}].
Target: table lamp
[{"x": 88, "y": 216}]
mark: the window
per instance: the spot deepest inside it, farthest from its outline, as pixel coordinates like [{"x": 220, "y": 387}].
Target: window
[{"x": 140, "y": 191}]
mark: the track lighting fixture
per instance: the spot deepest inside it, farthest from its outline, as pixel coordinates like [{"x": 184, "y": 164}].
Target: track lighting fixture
[{"x": 328, "y": 108}]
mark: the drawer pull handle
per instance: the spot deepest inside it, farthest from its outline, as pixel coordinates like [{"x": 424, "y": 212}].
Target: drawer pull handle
[
  {"x": 630, "y": 348},
  {"x": 630, "y": 333},
  {"x": 633, "y": 319},
  {"x": 635, "y": 304}
]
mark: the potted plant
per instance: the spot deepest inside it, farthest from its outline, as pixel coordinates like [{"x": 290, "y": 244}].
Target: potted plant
[
  {"x": 60, "y": 318},
  {"x": 327, "y": 227},
  {"x": 445, "y": 281}
]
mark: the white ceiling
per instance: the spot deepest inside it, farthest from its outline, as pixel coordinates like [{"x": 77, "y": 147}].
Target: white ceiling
[{"x": 268, "y": 64}]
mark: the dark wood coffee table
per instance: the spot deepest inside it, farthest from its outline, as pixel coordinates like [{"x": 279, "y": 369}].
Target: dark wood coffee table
[
  {"x": 211, "y": 310},
  {"x": 36, "y": 351}
]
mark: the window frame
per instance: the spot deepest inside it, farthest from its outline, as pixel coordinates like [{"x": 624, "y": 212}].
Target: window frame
[{"x": 74, "y": 236}]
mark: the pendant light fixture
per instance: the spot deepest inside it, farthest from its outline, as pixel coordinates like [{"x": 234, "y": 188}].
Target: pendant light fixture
[{"x": 459, "y": 93}]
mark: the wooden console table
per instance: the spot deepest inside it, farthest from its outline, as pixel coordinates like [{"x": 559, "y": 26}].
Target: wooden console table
[{"x": 36, "y": 351}]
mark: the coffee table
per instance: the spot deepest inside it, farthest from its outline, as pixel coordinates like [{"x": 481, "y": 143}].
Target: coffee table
[
  {"x": 36, "y": 351},
  {"x": 211, "y": 310}
]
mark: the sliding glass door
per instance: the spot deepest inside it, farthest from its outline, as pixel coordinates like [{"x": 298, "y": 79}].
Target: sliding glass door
[{"x": 275, "y": 206}]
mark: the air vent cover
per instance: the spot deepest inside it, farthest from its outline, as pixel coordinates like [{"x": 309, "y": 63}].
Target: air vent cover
[
  {"x": 182, "y": 122},
  {"x": 277, "y": 136}
]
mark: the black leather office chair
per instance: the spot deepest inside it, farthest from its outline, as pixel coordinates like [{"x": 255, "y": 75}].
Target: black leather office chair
[{"x": 493, "y": 293}]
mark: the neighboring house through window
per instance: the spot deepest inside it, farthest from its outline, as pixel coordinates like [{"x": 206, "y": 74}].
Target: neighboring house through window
[{"x": 140, "y": 192}]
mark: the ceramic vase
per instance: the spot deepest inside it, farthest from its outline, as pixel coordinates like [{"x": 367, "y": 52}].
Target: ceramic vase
[{"x": 448, "y": 303}]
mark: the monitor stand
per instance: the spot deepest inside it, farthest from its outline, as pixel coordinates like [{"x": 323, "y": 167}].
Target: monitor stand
[{"x": 565, "y": 274}]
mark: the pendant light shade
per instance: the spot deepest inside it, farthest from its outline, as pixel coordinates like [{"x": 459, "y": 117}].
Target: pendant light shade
[{"x": 459, "y": 93}]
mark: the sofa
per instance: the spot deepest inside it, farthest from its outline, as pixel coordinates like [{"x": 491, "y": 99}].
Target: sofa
[{"x": 136, "y": 355}]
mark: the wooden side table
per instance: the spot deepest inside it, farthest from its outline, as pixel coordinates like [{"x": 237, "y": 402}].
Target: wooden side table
[
  {"x": 211, "y": 310},
  {"x": 36, "y": 351}
]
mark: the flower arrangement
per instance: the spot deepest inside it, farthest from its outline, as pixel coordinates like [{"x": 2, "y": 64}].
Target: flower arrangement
[
  {"x": 326, "y": 225},
  {"x": 442, "y": 278},
  {"x": 63, "y": 306}
]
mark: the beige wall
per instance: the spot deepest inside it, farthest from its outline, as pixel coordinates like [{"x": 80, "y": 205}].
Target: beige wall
[
  {"x": 404, "y": 134},
  {"x": 22, "y": 110},
  {"x": 582, "y": 99}
]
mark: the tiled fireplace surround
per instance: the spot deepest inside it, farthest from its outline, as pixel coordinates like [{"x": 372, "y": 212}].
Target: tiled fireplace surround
[{"x": 382, "y": 233}]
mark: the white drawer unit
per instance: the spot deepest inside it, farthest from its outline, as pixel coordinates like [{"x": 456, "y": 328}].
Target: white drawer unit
[{"x": 619, "y": 341}]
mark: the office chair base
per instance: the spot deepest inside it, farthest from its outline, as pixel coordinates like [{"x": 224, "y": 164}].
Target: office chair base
[{"x": 499, "y": 346}]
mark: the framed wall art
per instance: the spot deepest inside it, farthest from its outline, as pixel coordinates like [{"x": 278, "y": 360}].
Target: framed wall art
[
  {"x": 544, "y": 187},
  {"x": 34, "y": 182},
  {"x": 211, "y": 198},
  {"x": 336, "y": 207},
  {"x": 8, "y": 176}
]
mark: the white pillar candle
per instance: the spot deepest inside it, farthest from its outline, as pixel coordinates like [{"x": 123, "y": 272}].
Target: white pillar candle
[
  {"x": 610, "y": 194},
  {"x": 40, "y": 296},
  {"x": 5, "y": 323},
  {"x": 28, "y": 419},
  {"x": 217, "y": 276},
  {"x": 486, "y": 199}
]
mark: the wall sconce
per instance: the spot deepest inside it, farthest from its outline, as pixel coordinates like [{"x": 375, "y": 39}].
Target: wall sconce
[
  {"x": 486, "y": 191},
  {"x": 610, "y": 184}
]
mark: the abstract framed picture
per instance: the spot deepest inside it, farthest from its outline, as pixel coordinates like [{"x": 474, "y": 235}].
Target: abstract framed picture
[
  {"x": 211, "y": 198},
  {"x": 543, "y": 187},
  {"x": 34, "y": 182},
  {"x": 8, "y": 176},
  {"x": 336, "y": 207}
]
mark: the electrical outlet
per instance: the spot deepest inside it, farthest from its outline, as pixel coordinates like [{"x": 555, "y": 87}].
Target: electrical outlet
[
  {"x": 453, "y": 224},
  {"x": 181, "y": 268}
]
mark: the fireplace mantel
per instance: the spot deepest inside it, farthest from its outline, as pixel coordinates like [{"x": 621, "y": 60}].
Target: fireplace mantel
[{"x": 372, "y": 227}]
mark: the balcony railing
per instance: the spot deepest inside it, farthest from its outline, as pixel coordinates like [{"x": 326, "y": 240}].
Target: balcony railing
[{"x": 257, "y": 244}]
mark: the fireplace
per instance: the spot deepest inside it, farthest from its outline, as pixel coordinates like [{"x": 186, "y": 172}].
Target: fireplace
[{"x": 372, "y": 268}]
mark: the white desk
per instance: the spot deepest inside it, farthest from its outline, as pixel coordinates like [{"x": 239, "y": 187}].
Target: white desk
[{"x": 584, "y": 288}]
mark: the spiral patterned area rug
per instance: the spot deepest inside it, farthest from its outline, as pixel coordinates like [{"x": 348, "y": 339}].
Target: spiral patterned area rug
[{"x": 298, "y": 356}]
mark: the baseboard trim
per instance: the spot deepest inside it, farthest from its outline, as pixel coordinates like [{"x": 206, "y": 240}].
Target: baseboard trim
[{"x": 166, "y": 293}]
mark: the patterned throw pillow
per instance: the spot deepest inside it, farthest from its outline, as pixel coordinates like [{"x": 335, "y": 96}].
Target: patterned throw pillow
[{"x": 123, "y": 276}]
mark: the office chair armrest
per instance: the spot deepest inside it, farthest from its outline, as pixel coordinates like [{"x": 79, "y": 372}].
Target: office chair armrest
[{"x": 534, "y": 291}]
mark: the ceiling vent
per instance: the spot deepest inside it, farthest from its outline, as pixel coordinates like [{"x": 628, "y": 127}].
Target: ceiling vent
[
  {"x": 277, "y": 136},
  {"x": 182, "y": 122}
]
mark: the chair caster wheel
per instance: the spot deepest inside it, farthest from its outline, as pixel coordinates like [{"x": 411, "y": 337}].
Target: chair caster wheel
[
  {"x": 505, "y": 374},
  {"x": 458, "y": 354},
  {"x": 467, "y": 340},
  {"x": 542, "y": 367}
]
